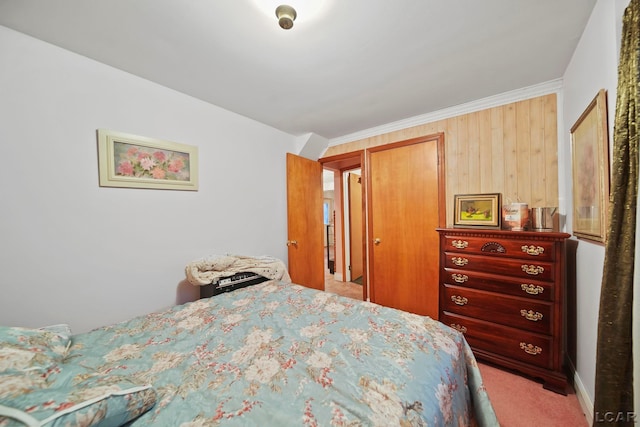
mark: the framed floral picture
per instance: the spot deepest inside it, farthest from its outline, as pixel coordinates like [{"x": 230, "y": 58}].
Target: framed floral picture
[
  {"x": 133, "y": 161},
  {"x": 590, "y": 169}
]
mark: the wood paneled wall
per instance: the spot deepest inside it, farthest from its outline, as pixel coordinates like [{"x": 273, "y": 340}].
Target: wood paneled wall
[{"x": 511, "y": 149}]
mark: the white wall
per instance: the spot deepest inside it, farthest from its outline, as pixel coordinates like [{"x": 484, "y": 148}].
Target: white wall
[
  {"x": 593, "y": 66},
  {"x": 76, "y": 253}
]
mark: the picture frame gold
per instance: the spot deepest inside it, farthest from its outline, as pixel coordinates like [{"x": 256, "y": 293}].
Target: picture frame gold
[
  {"x": 132, "y": 161},
  {"x": 477, "y": 210},
  {"x": 590, "y": 171}
]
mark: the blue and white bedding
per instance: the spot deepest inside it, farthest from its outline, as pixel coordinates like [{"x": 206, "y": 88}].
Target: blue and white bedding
[{"x": 274, "y": 354}]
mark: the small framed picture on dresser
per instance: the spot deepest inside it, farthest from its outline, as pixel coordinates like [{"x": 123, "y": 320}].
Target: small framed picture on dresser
[{"x": 477, "y": 210}]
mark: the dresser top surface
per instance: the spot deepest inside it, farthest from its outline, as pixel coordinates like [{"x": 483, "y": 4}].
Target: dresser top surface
[{"x": 503, "y": 234}]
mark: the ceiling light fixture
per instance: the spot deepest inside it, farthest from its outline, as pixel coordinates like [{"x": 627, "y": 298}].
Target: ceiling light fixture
[{"x": 286, "y": 15}]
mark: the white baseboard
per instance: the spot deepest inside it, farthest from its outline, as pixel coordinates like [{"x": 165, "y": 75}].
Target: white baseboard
[
  {"x": 583, "y": 398},
  {"x": 338, "y": 276}
]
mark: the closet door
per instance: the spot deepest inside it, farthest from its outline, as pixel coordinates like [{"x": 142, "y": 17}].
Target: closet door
[{"x": 406, "y": 205}]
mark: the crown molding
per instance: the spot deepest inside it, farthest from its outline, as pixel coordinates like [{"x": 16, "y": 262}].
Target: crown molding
[{"x": 551, "y": 86}]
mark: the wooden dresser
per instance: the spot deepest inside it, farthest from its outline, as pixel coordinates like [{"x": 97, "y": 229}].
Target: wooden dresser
[{"x": 505, "y": 291}]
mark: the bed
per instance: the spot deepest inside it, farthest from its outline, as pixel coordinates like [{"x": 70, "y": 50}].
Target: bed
[{"x": 272, "y": 354}]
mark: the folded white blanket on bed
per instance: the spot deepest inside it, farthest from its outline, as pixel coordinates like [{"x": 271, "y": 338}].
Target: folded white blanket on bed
[{"x": 205, "y": 270}]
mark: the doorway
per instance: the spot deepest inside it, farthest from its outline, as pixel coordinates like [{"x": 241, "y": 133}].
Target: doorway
[
  {"x": 353, "y": 226},
  {"x": 343, "y": 232},
  {"x": 343, "y": 190}
]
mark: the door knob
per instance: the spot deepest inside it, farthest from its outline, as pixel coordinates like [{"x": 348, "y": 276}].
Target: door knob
[
  {"x": 291, "y": 242},
  {"x": 376, "y": 241}
]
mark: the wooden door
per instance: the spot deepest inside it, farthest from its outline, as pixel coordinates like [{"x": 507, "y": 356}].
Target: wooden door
[
  {"x": 356, "y": 252},
  {"x": 304, "y": 221},
  {"x": 406, "y": 205}
]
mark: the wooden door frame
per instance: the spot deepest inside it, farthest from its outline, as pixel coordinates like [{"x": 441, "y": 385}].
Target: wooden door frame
[
  {"x": 438, "y": 138},
  {"x": 341, "y": 163},
  {"x": 360, "y": 158}
]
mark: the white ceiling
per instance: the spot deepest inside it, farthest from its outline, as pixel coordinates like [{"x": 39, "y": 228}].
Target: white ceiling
[{"x": 351, "y": 66}]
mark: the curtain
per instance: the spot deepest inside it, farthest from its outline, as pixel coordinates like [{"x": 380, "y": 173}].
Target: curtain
[{"x": 613, "y": 403}]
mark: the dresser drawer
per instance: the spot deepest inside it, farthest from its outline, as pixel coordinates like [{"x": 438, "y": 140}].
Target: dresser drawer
[
  {"x": 535, "y": 289},
  {"x": 520, "y": 345},
  {"x": 517, "y": 248},
  {"x": 506, "y": 267},
  {"x": 517, "y": 312}
]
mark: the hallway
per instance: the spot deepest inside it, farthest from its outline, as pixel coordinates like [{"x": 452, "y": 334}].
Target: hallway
[{"x": 347, "y": 289}]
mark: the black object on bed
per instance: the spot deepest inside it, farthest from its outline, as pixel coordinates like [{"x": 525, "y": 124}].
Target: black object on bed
[{"x": 231, "y": 283}]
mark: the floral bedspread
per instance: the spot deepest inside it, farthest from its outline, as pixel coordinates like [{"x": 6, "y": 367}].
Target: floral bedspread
[{"x": 279, "y": 354}]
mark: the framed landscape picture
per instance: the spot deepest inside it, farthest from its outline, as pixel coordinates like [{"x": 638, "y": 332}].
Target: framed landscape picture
[
  {"x": 477, "y": 210},
  {"x": 132, "y": 161},
  {"x": 590, "y": 170}
]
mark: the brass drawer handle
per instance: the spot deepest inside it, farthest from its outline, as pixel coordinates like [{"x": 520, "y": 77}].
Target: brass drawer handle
[
  {"x": 532, "y": 250},
  {"x": 533, "y": 270},
  {"x": 459, "y": 278},
  {"x": 457, "y": 299},
  {"x": 459, "y": 261},
  {"x": 459, "y": 328},
  {"x": 534, "y": 350},
  {"x": 534, "y": 316},
  {"x": 532, "y": 289},
  {"x": 460, "y": 244}
]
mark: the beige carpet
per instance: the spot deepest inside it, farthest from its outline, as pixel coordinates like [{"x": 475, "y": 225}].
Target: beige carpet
[{"x": 522, "y": 402}]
